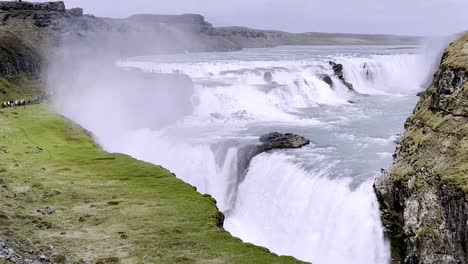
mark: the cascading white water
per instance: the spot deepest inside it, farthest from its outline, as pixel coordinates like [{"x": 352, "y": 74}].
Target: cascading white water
[
  {"x": 314, "y": 203},
  {"x": 316, "y": 218}
]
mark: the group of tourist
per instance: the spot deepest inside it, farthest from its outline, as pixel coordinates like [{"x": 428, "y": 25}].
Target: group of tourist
[
  {"x": 18, "y": 102},
  {"x": 23, "y": 102}
]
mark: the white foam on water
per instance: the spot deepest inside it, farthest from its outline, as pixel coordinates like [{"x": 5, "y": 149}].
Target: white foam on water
[{"x": 304, "y": 213}]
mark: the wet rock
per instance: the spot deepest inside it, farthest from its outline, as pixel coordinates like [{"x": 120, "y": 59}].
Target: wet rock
[
  {"x": 338, "y": 70},
  {"x": 327, "y": 79},
  {"x": 246, "y": 154},
  {"x": 268, "y": 142},
  {"x": 277, "y": 140},
  {"x": 268, "y": 77}
]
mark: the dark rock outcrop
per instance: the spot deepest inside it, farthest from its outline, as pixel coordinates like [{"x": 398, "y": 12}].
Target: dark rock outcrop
[
  {"x": 268, "y": 77},
  {"x": 268, "y": 142},
  {"x": 448, "y": 81},
  {"x": 338, "y": 70},
  {"x": 327, "y": 79},
  {"x": 17, "y": 57},
  {"x": 424, "y": 197},
  {"x": 43, "y": 14},
  {"x": 277, "y": 140}
]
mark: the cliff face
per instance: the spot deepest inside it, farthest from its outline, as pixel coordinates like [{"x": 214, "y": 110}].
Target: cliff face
[
  {"x": 43, "y": 14},
  {"x": 17, "y": 57},
  {"x": 424, "y": 197},
  {"x": 154, "y": 34},
  {"x": 24, "y": 32}
]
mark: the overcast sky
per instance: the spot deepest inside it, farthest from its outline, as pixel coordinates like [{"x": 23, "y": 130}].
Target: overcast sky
[{"x": 424, "y": 17}]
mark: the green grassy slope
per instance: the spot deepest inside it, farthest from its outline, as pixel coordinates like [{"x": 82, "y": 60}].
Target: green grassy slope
[{"x": 107, "y": 205}]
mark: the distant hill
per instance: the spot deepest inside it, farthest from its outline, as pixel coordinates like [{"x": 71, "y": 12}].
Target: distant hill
[{"x": 253, "y": 38}]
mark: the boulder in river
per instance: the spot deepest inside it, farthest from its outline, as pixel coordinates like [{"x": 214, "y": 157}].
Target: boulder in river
[
  {"x": 327, "y": 79},
  {"x": 268, "y": 77},
  {"x": 277, "y": 140},
  {"x": 338, "y": 70},
  {"x": 270, "y": 141}
]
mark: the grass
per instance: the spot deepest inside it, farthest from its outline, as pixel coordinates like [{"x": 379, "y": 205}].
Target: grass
[{"x": 107, "y": 205}]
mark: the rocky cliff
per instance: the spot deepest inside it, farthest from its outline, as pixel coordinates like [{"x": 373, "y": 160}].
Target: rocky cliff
[
  {"x": 24, "y": 34},
  {"x": 424, "y": 197},
  {"x": 18, "y": 57},
  {"x": 152, "y": 34},
  {"x": 43, "y": 14}
]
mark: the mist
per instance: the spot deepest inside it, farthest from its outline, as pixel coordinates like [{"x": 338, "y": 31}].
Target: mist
[
  {"x": 90, "y": 88},
  {"x": 419, "y": 17}
]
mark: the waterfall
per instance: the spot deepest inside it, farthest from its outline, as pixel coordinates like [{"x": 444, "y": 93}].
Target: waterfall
[{"x": 315, "y": 203}]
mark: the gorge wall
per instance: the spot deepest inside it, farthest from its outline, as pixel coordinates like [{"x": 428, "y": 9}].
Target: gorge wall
[
  {"x": 150, "y": 34},
  {"x": 424, "y": 196}
]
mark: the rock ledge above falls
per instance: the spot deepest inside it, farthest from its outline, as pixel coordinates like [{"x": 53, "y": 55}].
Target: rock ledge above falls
[
  {"x": 277, "y": 140},
  {"x": 268, "y": 142}
]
